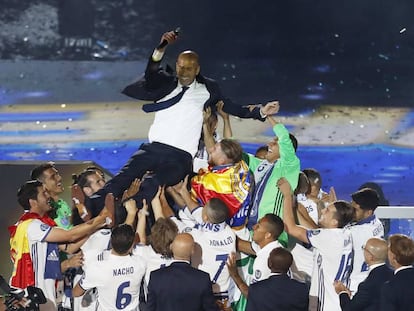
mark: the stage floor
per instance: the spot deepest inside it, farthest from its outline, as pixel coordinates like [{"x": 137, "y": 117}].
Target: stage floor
[{"x": 61, "y": 111}]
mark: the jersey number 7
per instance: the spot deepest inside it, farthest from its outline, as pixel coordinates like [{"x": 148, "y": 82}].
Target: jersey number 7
[{"x": 223, "y": 259}]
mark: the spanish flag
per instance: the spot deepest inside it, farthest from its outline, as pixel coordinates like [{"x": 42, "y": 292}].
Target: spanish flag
[
  {"x": 23, "y": 273},
  {"x": 230, "y": 183}
]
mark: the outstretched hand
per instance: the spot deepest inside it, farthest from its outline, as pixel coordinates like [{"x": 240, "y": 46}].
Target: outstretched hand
[
  {"x": 270, "y": 108},
  {"x": 220, "y": 110},
  {"x": 132, "y": 189}
]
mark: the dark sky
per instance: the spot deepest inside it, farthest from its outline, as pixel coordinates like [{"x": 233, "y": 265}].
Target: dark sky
[{"x": 301, "y": 51}]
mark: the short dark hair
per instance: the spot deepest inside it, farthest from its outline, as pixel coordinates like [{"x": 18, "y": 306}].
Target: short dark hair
[
  {"x": 344, "y": 213},
  {"x": 232, "y": 149},
  {"x": 280, "y": 260},
  {"x": 122, "y": 238},
  {"x": 402, "y": 247},
  {"x": 163, "y": 232},
  {"x": 314, "y": 176},
  {"x": 304, "y": 185},
  {"x": 82, "y": 179},
  {"x": 261, "y": 148},
  {"x": 366, "y": 198},
  {"x": 294, "y": 141},
  {"x": 38, "y": 171},
  {"x": 28, "y": 191},
  {"x": 274, "y": 225},
  {"x": 217, "y": 210}
]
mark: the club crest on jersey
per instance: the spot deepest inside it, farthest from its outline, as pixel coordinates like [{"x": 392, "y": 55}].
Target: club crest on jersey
[
  {"x": 257, "y": 274},
  {"x": 44, "y": 227},
  {"x": 315, "y": 232},
  {"x": 105, "y": 232},
  {"x": 187, "y": 229}
]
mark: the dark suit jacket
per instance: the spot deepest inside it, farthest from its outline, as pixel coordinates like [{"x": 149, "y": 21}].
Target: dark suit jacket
[
  {"x": 180, "y": 287},
  {"x": 369, "y": 291},
  {"x": 398, "y": 292},
  {"x": 278, "y": 293},
  {"x": 158, "y": 83}
]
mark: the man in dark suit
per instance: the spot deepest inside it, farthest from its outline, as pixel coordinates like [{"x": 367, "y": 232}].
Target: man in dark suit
[
  {"x": 279, "y": 292},
  {"x": 369, "y": 290},
  {"x": 191, "y": 288},
  {"x": 398, "y": 292},
  {"x": 178, "y": 102}
]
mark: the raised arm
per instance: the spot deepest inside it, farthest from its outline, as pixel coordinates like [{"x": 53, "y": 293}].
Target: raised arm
[
  {"x": 244, "y": 246},
  {"x": 186, "y": 195},
  {"x": 156, "y": 205},
  {"x": 208, "y": 132},
  {"x": 258, "y": 112},
  {"x": 227, "y": 132},
  {"x": 234, "y": 274},
  {"x": 131, "y": 208},
  {"x": 59, "y": 235},
  {"x": 288, "y": 216},
  {"x": 142, "y": 223}
]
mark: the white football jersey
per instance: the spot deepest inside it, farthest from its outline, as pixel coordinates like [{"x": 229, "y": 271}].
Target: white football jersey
[
  {"x": 99, "y": 241},
  {"x": 332, "y": 261},
  {"x": 261, "y": 270},
  {"x": 117, "y": 279},
  {"x": 217, "y": 242},
  {"x": 152, "y": 260},
  {"x": 36, "y": 234},
  {"x": 311, "y": 207},
  {"x": 361, "y": 233}
]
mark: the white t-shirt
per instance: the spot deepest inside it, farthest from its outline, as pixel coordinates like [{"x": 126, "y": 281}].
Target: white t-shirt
[
  {"x": 117, "y": 279},
  {"x": 152, "y": 260},
  {"x": 361, "y": 233},
  {"x": 180, "y": 125},
  {"x": 261, "y": 270},
  {"x": 303, "y": 257},
  {"x": 37, "y": 232},
  {"x": 333, "y": 261}
]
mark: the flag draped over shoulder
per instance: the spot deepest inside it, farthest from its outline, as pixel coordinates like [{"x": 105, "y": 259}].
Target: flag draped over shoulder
[
  {"x": 230, "y": 183},
  {"x": 23, "y": 273}
]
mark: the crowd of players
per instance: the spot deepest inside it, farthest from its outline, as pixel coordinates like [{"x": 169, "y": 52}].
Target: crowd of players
[{"x": 240, "y": 232}]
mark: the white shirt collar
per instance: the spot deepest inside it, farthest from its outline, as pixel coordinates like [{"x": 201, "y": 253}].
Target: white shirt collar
[{"x": 402, "y": 268}]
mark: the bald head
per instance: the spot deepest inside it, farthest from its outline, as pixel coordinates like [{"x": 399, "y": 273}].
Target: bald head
[
  {"x": 187, "y": 67},
  {"x": 183, "y": 246},
  {"x": 189, "y": 55},
  {"x": 377, "y": 250}
]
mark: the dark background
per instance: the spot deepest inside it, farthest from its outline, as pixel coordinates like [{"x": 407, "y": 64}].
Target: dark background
[{"x": 304, "y": 53}]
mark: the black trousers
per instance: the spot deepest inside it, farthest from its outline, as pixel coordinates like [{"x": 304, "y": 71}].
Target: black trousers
[{"x": 167, "y": 164}]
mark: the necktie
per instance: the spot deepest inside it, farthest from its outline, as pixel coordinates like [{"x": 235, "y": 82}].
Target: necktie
[{"x": 152, "y": 107}]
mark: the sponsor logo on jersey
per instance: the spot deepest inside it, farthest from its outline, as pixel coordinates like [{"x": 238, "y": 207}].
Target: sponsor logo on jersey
[
  {"x": 44, "y": 227},
  {"x": 53, "y": 256}
]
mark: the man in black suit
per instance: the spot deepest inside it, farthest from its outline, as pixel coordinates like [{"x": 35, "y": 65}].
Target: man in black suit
[
  {"x": 180, "y": 286},
  {"x": 279, "y": 292},
  {"x": 369, "y": 290},
  {"x": 178, "y": 102},
  {"x": 398, "y": 292}
]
